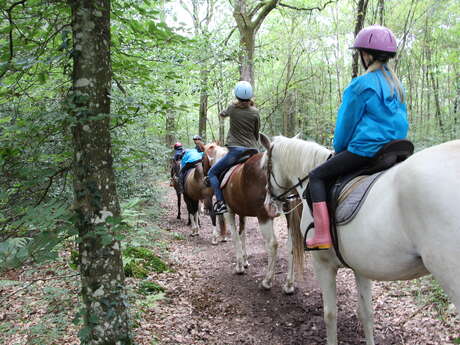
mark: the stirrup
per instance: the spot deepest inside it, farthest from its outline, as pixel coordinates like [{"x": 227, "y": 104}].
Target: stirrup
[{"x": 308, "y": 249}]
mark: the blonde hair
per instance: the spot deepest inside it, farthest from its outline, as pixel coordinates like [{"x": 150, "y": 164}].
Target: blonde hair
[
  {"x": 243, "y": 104},
  {"x": 390, "y": 77}
]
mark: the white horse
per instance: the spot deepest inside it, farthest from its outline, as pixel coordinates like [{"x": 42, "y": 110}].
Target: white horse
[{"x": 409, "y": 225}]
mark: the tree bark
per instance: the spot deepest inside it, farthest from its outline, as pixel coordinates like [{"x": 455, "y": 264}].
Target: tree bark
[
  {"x": 170, "y": 138},
  {"x": 249, "y": 22},
  {"x": 203, "y": 111},
  {"x": 360, "y": 16},
  {"x": 381, "y": 12},
  {"x": 96, "y": 202},
  {"x": 201, "y": 29},
  {"x": 289, "y": 115}
]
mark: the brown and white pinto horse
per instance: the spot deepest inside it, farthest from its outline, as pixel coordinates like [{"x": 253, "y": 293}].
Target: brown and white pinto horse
[
  {"x": 245, "y": 195},
  {"x": 195, "y": 191}
]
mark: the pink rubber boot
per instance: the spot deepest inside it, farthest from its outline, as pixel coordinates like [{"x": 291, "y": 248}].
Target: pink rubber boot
[{"x": 322, "y": 236}]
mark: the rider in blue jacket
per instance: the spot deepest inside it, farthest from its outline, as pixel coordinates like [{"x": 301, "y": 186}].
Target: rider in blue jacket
[{"x": 373, "y": 113}]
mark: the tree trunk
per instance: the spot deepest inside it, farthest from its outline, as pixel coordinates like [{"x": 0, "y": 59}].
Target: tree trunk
[
  {"x": 170, "y": 128},
  {"x": 360, "y": 16},
  {"x": 289, "y": 116},
  {"x": 96, "y": 203},
  {"x": 381, "y": 12},
  {"x": 248, "y": 22},
  {"x": 201, "y": 29},
  {"x": 203, "y": 112}
]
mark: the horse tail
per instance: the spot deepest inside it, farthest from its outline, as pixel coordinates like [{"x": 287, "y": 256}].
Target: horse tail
[{"x": 293, "y": 221}]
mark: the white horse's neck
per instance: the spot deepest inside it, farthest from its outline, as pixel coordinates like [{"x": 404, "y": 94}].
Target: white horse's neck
[{"x": 296, "y": 157}]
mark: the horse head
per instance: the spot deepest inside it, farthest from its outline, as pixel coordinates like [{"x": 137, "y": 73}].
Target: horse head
[{"x": 212, "y": 153}]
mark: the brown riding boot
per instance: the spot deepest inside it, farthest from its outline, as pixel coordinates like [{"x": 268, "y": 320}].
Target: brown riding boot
[{"x": 322, "y": 235}]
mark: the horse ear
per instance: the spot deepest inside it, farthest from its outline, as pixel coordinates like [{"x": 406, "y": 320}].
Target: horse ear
[{"x": 265, "y": 141}]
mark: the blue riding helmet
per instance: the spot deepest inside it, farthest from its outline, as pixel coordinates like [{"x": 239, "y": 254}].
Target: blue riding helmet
[{"x": 243, "y": 90}]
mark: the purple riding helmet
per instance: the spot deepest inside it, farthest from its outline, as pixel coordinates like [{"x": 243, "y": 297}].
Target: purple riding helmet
[{"x": 376, "y": 37}]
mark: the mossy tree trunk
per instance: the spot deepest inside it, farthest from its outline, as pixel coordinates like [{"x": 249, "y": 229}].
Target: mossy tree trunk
[{"x": 96, "y": 203}]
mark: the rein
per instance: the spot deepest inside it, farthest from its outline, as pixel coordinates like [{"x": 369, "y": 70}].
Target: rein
[{"x": 280, "y": 197}]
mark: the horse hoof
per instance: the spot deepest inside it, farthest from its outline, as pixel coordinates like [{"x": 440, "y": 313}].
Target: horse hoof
[
  {"x": 239, "y": 270},
  {"x": 225, "y": 239},
  {"x": 266, "y": 285},
  {"x": 214, "y": 242},
  {"x": 178, "y": 217},
  {"x": 288, "y": 290},
  {"x": 246, "y": 264}
]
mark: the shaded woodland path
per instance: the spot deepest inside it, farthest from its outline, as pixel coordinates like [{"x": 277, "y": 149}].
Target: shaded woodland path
[{"x": 208, "y": 304}]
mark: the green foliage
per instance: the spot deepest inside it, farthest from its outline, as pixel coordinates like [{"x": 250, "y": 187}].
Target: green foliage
[
  {"x": 178, "y": 236},
  {"x": 437, "y": 297},
  {"x": 148, "y": 287},
  {"x": 428, "y": 291},
  {"x": 150, "y": 301},
  {"x": 74, "y": 260},
  {"x": 134, "y": 268},
  {"x": 139, "y": 261}
]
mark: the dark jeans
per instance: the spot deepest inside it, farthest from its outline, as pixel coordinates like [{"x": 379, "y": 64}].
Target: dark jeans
[
  {"x": 234, "y": 153},
  {"x": 342, "y": 163}
]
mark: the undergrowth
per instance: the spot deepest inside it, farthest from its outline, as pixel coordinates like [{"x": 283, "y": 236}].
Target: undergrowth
[{"x": 40, "y": 301}]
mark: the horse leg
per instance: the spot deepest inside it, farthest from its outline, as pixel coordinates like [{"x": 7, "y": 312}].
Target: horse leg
[
  {"x": 271, "y": 246},
  {"x": 195, "y": 223},
  {"x": 223, "y": 229},
  {"x": 201, "y": 208},
  {"x": 289, "y": 286},
  {"x": 326, "y": 273},
  {"x": 442, "y": 263},
  {"x": 365, "y": 310},
  {"x": 242, "y": 230},
  {"x": 178, "y": 204},
  {"x": 230, "y": 220},
  {"x": 194, "y": 216},
  {"x": 215, "y": 234}
]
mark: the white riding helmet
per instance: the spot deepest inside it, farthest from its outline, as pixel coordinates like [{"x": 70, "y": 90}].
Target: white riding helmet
[{"x": 243, "y": 90}]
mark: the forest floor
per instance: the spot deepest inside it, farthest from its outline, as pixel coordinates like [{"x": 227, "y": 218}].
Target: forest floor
[{"x": 205, "y": 303}]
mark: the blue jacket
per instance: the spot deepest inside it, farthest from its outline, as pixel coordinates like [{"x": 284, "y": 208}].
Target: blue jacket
[
  {"x": 191, "y": 156},
  {"x": 370, "y": 116}
]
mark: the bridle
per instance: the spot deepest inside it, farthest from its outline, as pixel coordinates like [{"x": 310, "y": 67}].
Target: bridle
[{"x": 285, "y": 195}]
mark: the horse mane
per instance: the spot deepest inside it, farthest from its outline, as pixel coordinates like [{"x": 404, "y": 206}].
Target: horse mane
[{"x": 297, "y": 155}]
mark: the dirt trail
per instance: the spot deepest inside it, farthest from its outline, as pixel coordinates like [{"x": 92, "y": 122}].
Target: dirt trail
[{"x": 208, "y": 304}]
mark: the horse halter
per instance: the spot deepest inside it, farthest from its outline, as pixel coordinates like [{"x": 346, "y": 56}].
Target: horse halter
[{"x": 281, "y": 197}]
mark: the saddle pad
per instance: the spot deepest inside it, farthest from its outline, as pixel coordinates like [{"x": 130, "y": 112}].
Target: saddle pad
[
  {"x": 352, "y": 196},
  {"x": 228, "y": 174}
]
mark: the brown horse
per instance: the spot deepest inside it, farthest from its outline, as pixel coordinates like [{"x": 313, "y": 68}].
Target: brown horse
[
  {"x": 195, "y": 191},
  {"x": 245, "y": 196},
  {"x": 175, "y": 169}
]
